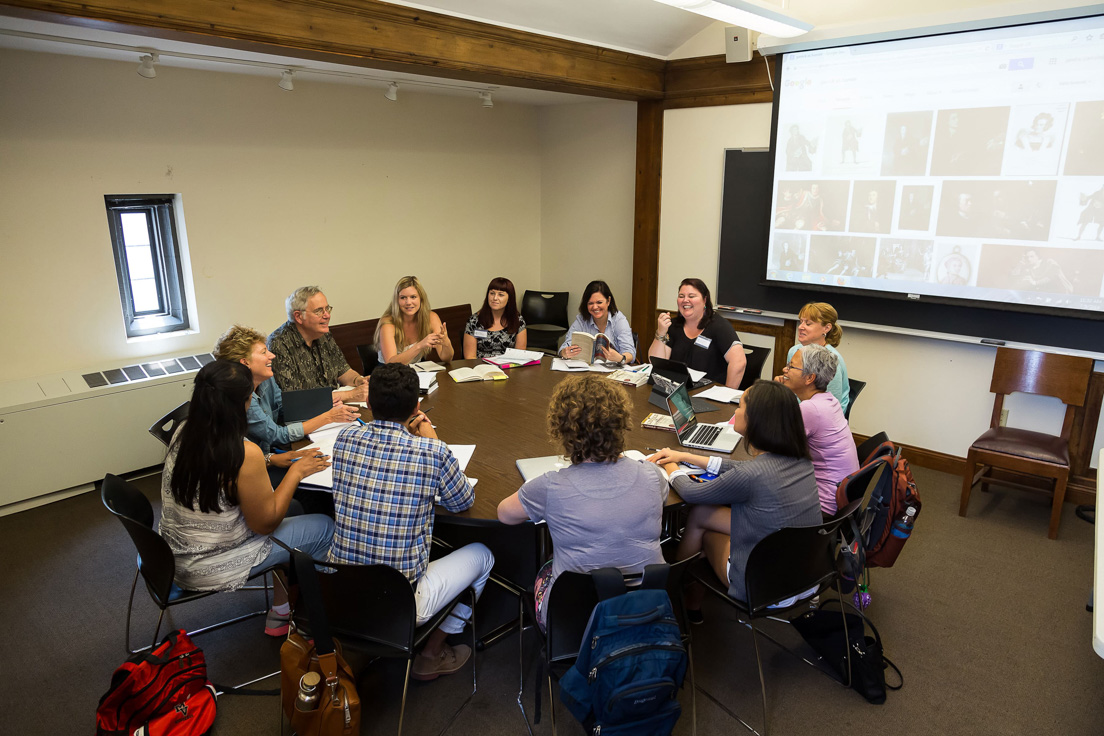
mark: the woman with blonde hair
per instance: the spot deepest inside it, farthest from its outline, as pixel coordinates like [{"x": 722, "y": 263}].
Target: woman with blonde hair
[
  {"x": 603, "y": 510},
  {"x": 408, "y": 329},
  {"x": 818, "y": 325}
]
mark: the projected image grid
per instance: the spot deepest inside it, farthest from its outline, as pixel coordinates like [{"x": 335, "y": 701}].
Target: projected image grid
[{"x": 995, "y": 202}]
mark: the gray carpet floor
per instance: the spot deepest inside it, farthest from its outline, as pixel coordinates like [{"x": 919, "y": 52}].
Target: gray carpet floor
[{"x": 984, "y": 615}]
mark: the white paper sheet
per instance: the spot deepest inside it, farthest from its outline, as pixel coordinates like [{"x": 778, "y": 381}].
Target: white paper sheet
[
  {"x": 723, "y": 394},
  {"x": 463, "y": 454}
]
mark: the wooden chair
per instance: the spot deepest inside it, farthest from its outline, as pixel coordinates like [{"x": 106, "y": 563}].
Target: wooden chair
[{"x": 1023, "y": 452}]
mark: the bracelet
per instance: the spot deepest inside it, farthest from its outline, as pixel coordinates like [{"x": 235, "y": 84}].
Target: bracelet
[
  {"x": 665, "y": 339},
  {"x": 268, "y": 459}
]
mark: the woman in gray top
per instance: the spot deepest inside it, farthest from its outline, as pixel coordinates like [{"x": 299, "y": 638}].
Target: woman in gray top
[
  {"x": 603, "y": 510},
  {"x": 749, "y": 499}
]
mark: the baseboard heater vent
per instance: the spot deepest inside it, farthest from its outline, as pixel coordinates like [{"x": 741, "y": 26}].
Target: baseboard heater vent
[{"x": 114, "y": 376}]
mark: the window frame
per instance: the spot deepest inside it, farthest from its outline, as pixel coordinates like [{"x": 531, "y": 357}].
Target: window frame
[{"x": 172, "y": 315}]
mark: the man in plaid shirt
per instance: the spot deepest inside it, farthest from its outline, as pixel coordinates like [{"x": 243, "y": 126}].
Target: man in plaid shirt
[{"x": 386, "y": 474}]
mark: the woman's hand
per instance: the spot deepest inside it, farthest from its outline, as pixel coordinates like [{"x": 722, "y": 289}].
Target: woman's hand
[
  {"x": 663, "y": 324},
  {"x": 571, "y": 351},
  {"x": 612, "y": 355},
  {"x": 667, "y": 455},
  {"x": 430, "y": 341},
  {"x": 308, "y": 463}
]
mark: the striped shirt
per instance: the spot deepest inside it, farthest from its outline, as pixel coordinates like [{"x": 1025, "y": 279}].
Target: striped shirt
[{"x": 385, "y": 480}]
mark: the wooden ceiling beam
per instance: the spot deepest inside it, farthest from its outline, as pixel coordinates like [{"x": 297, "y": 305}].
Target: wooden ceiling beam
[{"x": 374, "y": 35}]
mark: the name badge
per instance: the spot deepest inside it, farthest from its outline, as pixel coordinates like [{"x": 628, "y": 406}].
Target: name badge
[
  {"x": 480, "y": 333},
  {"x": 703, "y": 342}
]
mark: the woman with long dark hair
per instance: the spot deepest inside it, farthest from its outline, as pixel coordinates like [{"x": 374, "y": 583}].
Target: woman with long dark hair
[
  {"x": 219, "y": 508},
  {"x": 598, "y": 313},
  {"x": 699, "y": 337},
  {"x": 497, "y": 325},
  {"x": 748, "y": 499}
]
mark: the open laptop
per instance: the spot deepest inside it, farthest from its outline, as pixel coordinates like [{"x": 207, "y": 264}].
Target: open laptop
[
  {"x": 300, "y": 406},
  {"x": 533, "y": 467},
  {"x": 692, "y": 433},
  {"x": 667, "y": 375}
]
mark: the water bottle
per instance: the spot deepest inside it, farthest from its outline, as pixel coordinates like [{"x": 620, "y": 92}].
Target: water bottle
[
  {"x": 308, "y": 692},
  {"x": 902, "y": 528}
]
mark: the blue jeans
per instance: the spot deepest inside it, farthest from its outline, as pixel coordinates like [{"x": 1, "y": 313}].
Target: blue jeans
[{"x": 312, "y": 533}]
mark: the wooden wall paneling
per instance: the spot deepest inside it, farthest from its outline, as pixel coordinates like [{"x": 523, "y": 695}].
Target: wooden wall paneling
[
  {"x": 375, "y": 35},
  {"x": 649, "y": 173},
  {"x": 709, "y": 80}
]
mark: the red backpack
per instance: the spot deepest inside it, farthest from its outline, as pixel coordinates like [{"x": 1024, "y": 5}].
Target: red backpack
[
  {"x": 883, "y": 534},
  {"x": 163, "y": 692}
]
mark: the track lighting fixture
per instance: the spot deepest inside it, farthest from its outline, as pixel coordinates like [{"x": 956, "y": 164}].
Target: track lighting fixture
[
  {"x": 286, "y": 82},
  {"x": 146, "y": 69},
  {"x": 392, "y": 92},
  {"x": 488, "y": 103}
]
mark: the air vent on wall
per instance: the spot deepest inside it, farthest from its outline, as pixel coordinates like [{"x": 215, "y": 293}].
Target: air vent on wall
[{"x": 115, "y": 376}]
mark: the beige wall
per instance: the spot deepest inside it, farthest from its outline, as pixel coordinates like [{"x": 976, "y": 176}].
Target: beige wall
[
  {"x": 588, "y": 185},
  {"x": 927, "y": 392},
  {"x": 329, "y": 184}
]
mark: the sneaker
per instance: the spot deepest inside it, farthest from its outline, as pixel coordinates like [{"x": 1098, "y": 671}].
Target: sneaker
[
  {"x": 277, "y": 624},
  {"x": 448, "y": 661}
]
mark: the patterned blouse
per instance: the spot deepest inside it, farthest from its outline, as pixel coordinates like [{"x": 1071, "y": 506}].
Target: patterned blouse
[
  {"x": 213, "y": 551},
  {"x": 300, "y": 366},
  {"x": 489, "y": 344}
]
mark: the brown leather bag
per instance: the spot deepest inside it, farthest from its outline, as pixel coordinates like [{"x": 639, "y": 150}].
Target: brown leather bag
[{"x": 338, "y": 709}]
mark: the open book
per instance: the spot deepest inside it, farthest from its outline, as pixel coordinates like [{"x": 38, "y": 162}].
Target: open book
[
  {"x": 478, "y": 373},
  {"x": 636, "y": 376},
  {"x": 590, "y": 345},
  {"x": 514, "y": 357}
]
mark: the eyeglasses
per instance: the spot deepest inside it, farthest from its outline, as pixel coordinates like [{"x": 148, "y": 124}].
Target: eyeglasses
[
  {"x": 321, "y": 310},
  {"x": 789, "y": 367}
]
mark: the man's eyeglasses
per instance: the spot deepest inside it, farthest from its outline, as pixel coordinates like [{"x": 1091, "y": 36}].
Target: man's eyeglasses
[{"x": 321, "y": 310}]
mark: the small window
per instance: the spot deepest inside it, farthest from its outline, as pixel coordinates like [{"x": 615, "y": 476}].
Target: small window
[{"x": 148, "y": 263}]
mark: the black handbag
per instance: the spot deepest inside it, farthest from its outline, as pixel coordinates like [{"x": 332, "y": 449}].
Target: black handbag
[{"x": 823, "y": 630}]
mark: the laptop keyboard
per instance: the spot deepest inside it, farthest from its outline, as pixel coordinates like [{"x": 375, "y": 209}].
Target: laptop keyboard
[{"x": 705, "y": 434}]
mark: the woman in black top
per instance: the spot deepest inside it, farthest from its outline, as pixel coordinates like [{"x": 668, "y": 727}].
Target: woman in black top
[{"x": 698, "y": 337}]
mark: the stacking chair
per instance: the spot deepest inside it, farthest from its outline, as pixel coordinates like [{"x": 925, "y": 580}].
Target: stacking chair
[
  {"x": 546, "y": 319},
  {"x": 371, "y": 610},
  {"x": 854, "y": 388},
  {"x": 756, "y": 358},
  {"x": 783, "y": 564},
  {"x": 156, "y": 563},
  {"x": 369, "y": 358},
  {"x": 1022, "y": 452},
  {"x": 867, "y": 448},
  {"x": 570, "y": 603},
  {"x": 166, "y": 426},
  {"x": 517, "y": 553}
]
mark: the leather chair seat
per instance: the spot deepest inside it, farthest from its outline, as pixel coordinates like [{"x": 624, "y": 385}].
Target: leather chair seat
[{"x": 1025, "y": 443}]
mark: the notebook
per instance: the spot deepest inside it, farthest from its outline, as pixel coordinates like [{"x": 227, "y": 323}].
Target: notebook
[{"x": 692, "y": 433}]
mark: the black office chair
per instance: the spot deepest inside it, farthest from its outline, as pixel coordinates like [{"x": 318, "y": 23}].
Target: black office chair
[
  {"x": 156, "y": 563},
  {"x": 854, "y": 388},
  {"x": 867, "y": 448},
  {"x": 783, "y": 564},
  {"x": 371, "y": 610},
  {"x": 546, "y": 319},
  {"x": 165, "y": 427},
  {"x": 369, "y": 358},
  {"x": 570, "y": 603},
  {"x": 756, "y": 359},
  {"x": 517, "y": 550}
]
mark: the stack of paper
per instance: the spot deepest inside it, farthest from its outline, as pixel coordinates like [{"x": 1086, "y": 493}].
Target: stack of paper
[{"x": 720, "y": 393}]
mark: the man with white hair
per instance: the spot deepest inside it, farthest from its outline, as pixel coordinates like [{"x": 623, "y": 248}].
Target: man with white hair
[
  {"x": 307, "y": 356},
  {"x": 831, "y": 445}
]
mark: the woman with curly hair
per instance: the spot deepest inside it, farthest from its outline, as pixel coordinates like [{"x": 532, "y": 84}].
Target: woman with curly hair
[{"x": 603, "y": 510}]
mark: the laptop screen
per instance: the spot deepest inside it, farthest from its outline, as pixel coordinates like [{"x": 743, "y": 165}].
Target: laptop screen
[{"x": 682, "y": 411}]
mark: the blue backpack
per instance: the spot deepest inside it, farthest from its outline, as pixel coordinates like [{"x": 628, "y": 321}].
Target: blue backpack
[{"x": 631, "y": 660}]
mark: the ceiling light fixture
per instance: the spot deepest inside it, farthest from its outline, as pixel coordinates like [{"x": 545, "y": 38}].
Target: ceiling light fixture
[
  {"x": 488, "y": 103},
  {"x": 392, "y": 92},
  {"x": 752, "y": 16},
  {"x": 146, "y": 69},
  {"x": 286, "y": 82}
]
